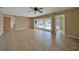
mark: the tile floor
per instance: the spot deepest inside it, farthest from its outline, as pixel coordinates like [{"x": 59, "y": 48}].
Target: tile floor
[{"x": 37, "y": 40}]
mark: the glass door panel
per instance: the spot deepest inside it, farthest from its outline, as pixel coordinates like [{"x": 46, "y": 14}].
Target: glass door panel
[
  {"x": 43, "y": 23},
  {"x": 47, "y": 24},
  {"x": 40, "y": 24}
]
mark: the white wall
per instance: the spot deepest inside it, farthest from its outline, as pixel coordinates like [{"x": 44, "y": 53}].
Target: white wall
[
  {"x": 1, "y": 24},
  {"x": 23, "y": 23}
]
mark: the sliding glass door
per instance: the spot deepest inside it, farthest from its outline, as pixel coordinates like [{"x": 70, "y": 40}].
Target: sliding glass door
[
  {"x": 47, "y": 24},
  {"x": 43, "y": 23},
  {"x": 40, "y": 24}
]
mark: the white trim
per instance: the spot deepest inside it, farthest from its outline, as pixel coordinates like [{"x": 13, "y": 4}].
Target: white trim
[
  {"x": 72, "y": 36},
  {"x": 1, "y": 33}
]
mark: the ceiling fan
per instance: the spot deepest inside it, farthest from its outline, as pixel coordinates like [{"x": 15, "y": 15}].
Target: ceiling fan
[{"x": 35, "y": 9}]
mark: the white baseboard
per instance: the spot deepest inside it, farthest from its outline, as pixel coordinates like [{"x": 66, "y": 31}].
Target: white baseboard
[{"x": 72, "y": 36}]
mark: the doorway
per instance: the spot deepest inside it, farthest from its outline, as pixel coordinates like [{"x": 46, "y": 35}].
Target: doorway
[
  {"x": 60, "y": 24},
  {"x": 7, "y": 24}
]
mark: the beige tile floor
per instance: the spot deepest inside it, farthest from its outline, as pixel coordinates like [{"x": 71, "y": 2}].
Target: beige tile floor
[{"x": 37, "y": 40}]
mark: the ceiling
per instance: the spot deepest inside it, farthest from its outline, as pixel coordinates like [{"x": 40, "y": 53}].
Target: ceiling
[{"x": 23, "y": 11}]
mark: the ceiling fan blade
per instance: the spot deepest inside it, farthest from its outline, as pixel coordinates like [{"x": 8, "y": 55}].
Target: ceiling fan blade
[
  {"x": 40, "y": 11},
  {"x": 32, "y": 7},
  {"x": 30, "y": 10},
  {"x": 40, "y": 8}
]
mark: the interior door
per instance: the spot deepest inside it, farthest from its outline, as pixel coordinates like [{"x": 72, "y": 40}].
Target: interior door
[{"x": 7, "y": 24}]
